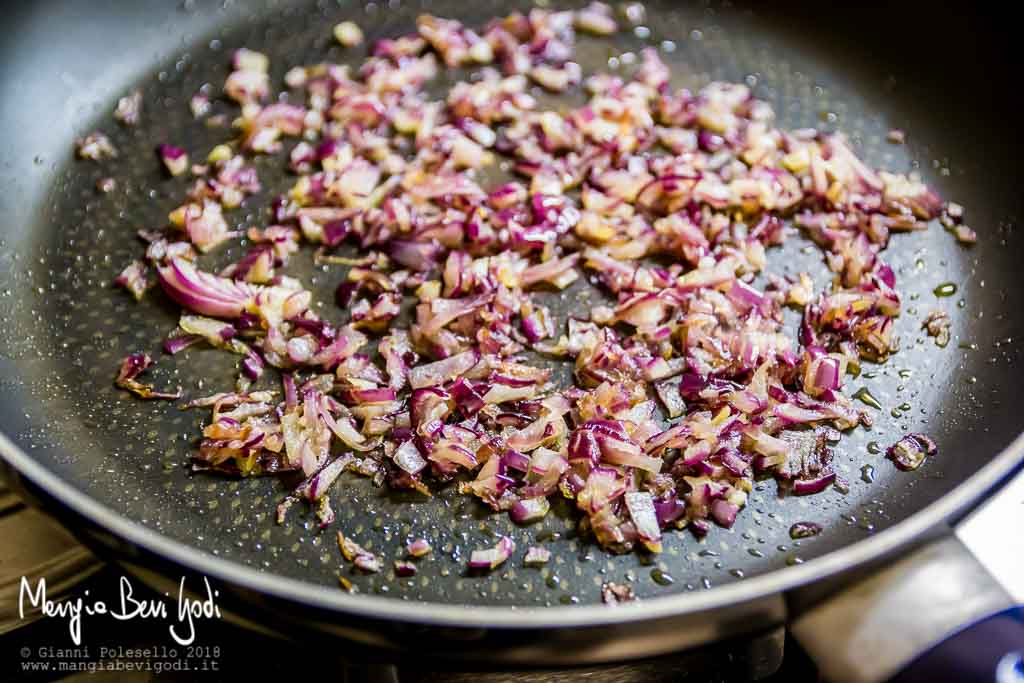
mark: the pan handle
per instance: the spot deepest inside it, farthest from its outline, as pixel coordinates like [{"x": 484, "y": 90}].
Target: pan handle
[
  {"x": 935, "y": 614},
  {"x": 990, "y": 650}
]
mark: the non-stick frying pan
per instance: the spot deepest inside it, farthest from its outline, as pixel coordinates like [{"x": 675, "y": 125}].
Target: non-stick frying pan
[{"x": 114, "y": 468}]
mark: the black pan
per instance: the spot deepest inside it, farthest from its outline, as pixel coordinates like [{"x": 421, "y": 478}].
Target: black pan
[{"x": 115, "y": 469}]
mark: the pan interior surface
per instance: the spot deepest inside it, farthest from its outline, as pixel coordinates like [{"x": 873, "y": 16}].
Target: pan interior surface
[{"x": 65, "y": 329}]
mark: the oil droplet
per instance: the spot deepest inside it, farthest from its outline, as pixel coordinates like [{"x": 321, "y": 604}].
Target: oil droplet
[
  {"x": 754, "y": 552},
  {"x": 867, "y": 474},
  {"x": 870, "y": 375},
  {"x": 968, "y": 346},
  {"x": 905, "y": 406},
  {"x": 793, "y": 560},
  {"x": 568, "y": 599},
  {"x": 905, "y": 373},
  {"x": 738, "y": 573},
  {"x": 896, "y": 412},
  {"x": 874, "y": 448},
  {"x": 864, "y": 396},
  {"x": 961, "y": 303},
  {"x": 661, "y": 578},
  {"x": 707, "y": 553},
  {"x": 552, "y": 581},
  {"x": 945, "y": 289}
]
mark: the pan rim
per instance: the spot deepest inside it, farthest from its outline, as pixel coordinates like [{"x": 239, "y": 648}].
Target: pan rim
[{"x": 774, "y": 582}]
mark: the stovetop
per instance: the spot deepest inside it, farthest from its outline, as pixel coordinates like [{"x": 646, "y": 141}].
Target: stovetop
[{"x": 140, "y": 649}]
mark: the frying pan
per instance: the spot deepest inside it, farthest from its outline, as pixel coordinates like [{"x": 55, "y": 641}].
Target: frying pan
[{"x": 114, "y": 469}]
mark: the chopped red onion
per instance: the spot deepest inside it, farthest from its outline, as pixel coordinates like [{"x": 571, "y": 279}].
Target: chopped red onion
[
  {"x": 536, "y": 556},
  {"x": 724, "y": 512},
  {"x": 131, "y": 367},
  {"x": 95, "y": 146},
  {"x": 804, "y": 530},
  {"x": 491, "y": 558},
  {"x": 910, "y": 452},
  {"x": 803, "y": 487},
  {"x": 529, "y": 510},
  {"x": 175, "y": 159},
  {"x": 641, "y": 510},
  {"x": 348, "y": 34},
  {"x": 136, "y": 279},
  {"x": 404, "y": 568},
  {"x": 128, "y": 108},
  {"x": 408, "y": 457},
  {"x": 596, "y": 18},
  {"x": 442, "y": 371},
  {"x": 615, "y": 593},
  {"x": 418, "y": 548},
  {"x": 679, "y": 240},
  {"x": 359, "y": 556},
  {"x": 202, "y": 292}
]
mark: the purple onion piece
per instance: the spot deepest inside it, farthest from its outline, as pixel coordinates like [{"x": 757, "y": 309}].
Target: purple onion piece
[
  {"x": 491, "y": 558},
  {"x": 252, "y": 366},
  {"x": 173, "y": 345},
  {"x": 536, "y": 556},
  {"x": 724, "y": 512},
  {"x": 803, "y": 487},
  {"x": 529, "y": 510},
  {"x": 668, "y": 509},
  {"x": 404, "y": 568}
]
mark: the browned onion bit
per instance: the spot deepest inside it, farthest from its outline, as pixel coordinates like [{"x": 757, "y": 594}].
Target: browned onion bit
[
  {"x": 95, "y": 146},
  {"x": 614, "y": 593},
  {"x": 804, "y": 530},
  {"x": 910, "y": 452},
  {"x": 131, "y": 367},
  {"x": 937, "y": 324},
  {"x": 669, "y": 198}
]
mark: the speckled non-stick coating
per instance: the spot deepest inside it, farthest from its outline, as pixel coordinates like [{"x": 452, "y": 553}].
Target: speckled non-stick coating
[{"x": 65, "y": 329}]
